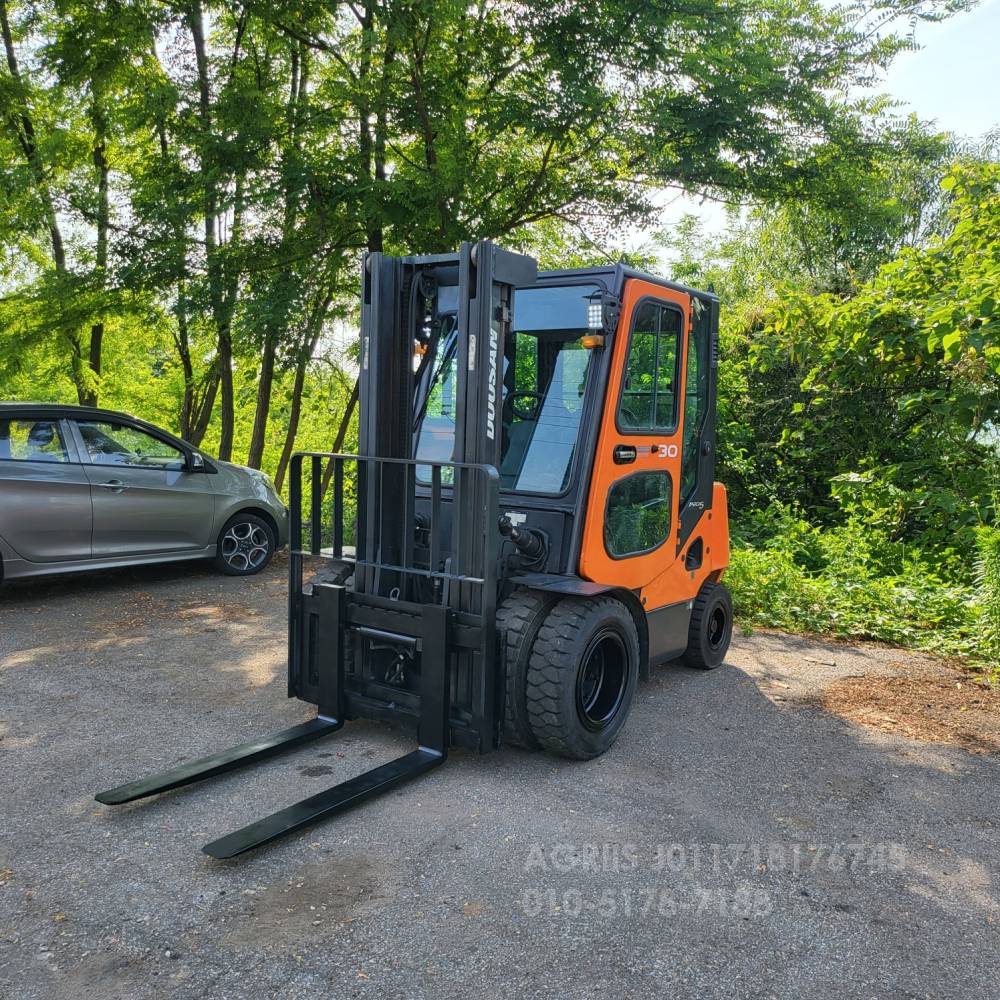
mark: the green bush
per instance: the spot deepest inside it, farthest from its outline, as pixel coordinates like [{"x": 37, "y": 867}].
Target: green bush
[
  {"x": 988, "y": 587},
  {"x": 853, "y": 582}
]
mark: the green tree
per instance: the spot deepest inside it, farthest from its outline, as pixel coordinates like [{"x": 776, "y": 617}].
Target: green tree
[
  {"x": 899, "y": 386},
  {"x": 213, "y": 168}
]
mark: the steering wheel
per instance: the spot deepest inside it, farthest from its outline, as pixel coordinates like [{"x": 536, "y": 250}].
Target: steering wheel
[
  {"x": 628, "y": 417},
  {"x": 531, "y": 414}
]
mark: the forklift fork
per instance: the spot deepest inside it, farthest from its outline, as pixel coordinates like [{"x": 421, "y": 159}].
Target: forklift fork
[
  {"x": 432, "y": 735},
  {"x": 220, "y": 763}
]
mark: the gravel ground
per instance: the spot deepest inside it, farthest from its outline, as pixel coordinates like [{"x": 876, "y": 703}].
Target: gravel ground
[{"x": 736, "y": 842}]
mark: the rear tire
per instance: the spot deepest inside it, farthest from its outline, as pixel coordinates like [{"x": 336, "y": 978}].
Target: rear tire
[
  {"x": 518, "y": 619},
  {"x": 711, "y": 628},
  {"x": 246, "y": 544},
  {"x": 582, "y": 676}
]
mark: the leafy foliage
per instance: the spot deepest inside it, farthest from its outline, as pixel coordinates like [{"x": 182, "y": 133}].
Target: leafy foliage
[
  {"x": 221, "y": 164},
  {"x": 988, "y": 583},
  {"x": 186, "y": 190},
  {"x": 851, "y": 581},
  {"x": 899, "y": 385},
  {"x": 875, "y": 412}
]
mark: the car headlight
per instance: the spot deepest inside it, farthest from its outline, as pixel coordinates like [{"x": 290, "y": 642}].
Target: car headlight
[{"x": 264, "y": 479}]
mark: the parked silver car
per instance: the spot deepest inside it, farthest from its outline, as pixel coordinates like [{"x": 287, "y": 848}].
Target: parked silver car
[{"x": 83, "y": 488}]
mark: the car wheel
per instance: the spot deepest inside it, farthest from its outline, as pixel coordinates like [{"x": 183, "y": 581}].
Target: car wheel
[
  {"x": 582, "y": 676},
  {"x": 246, "y": 545}
]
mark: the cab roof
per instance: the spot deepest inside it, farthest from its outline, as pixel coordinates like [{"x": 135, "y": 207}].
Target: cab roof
[{"x": 614, "y": 276}]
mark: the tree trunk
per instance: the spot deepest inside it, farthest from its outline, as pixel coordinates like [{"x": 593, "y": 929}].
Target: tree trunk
[
  {"x": 29, "y": 145},
  {"x": 202, "y": 410},
  {"x": 199, "y": 393},
  {"x": 92, "y": 388},
  {"x": 221, "y": 286},
  {"x": 228, "y": 415},
  {"x": 310, "y": 340},
  {"x": 25, "y": 138},
  {"x": 293, "y": 423},
  {"x": 338, "y": 441},
  {"x": 182, "y": 342},
  {"x": 265, "y": 384},
  {"x": 276, "y": 330}
]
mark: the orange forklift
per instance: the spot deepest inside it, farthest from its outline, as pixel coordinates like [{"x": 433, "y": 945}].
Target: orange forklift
[{"x": 531, "y": 521}]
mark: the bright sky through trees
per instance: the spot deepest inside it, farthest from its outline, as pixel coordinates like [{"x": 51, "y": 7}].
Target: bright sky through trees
[{"x": 953, "y": 79}]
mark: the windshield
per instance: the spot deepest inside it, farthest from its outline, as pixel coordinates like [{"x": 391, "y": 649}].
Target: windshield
[{"x": 545, "y": 371}]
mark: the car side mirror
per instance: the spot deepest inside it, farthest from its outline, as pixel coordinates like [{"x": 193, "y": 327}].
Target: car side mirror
[{"x": 196, "y": 462}]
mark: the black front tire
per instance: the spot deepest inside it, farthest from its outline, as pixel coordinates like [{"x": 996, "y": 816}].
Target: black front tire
[
  {"x": 711, "y": 628},
  {"x": 582, "y": 676},
  {"x": 519, "y": 618},
  {"x": 246, "y": 545}
]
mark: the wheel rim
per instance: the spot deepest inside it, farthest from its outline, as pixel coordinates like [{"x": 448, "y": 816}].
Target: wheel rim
[
  {"x": 602, "y": 680},
  {"x": 245, "y": 546},
  {"x": 718, "y": 621}
]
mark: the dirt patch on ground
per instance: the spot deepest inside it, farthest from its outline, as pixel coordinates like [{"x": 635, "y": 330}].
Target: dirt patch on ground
[
  {"x": 943, "y": 708},
  {"x": 322, "y": 899}
]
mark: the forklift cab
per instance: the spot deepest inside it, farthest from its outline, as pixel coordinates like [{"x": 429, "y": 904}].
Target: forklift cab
[{"x": 607, "y": 435}]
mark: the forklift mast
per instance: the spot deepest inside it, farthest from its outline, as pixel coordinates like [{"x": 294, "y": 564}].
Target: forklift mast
[
  {"x": 425, "y": 530},
  {"x": 530, "y": 522}
]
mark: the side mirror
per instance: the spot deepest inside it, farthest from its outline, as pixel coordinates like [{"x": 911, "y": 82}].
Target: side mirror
[{"x": 195, "y": 462}]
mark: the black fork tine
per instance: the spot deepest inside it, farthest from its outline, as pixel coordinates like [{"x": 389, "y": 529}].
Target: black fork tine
[
  {"x": 219, "y": 763},
  {"x": 334, "y": 800}
]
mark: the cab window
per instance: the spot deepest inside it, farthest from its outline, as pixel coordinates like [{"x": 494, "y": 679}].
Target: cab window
[
  {"x": 695, "y": 405},
  {"x": 649, "y": 393},
  {"x": 546, "y": 369},
  {"x": 638, "y": 518}
]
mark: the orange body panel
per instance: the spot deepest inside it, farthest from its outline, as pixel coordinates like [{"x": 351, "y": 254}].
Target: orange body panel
[
  {"x": 676, "y": 583},
  {"x": 658, "y": 577}
]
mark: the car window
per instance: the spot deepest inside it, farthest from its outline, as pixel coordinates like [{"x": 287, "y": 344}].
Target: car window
[
  {"x": 32, "y": 441},
  {"x": 118, "y": 444}
]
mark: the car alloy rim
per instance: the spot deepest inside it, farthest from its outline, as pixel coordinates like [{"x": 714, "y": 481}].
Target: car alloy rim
[
  {"x": 602, "y": 679},
  {"x": 244, "y": 546}
]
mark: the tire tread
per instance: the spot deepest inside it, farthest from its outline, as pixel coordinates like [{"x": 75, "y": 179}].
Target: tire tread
[
  {"x": 517, "y": 618},
  {"x": 551, "y": 723}
]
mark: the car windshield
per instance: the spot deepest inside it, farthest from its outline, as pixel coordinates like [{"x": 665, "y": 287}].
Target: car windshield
[{"x": 544, "y": 378}]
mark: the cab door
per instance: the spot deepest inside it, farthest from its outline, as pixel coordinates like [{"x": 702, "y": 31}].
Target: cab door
[{"x": 630, "y": 534}]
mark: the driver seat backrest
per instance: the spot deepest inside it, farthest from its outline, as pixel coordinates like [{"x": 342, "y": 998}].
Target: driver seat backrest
[{"x": 517, "y": 449}]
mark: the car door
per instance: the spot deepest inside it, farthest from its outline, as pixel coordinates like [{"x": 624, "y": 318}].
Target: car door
[
  {"x": 632, "y": 514},
  {"x": 144, "y": 498},
  {"x": 45, "y": 508}
]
